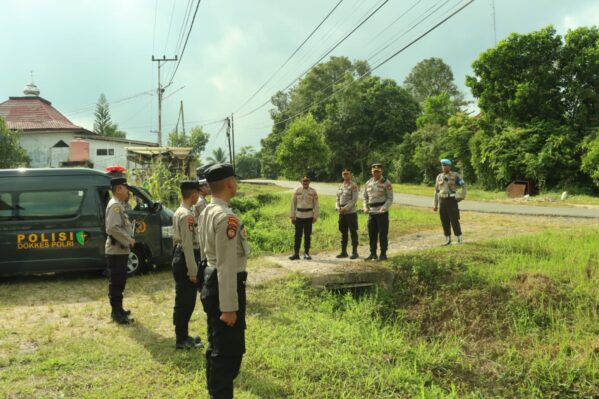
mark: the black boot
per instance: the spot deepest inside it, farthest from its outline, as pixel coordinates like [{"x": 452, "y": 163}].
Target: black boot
[
  {"x": 372, "y": 256},
  {"x": 383, "y": 255},
  {"x": 120, "y": 317},
  {"x": 354, "y": 253},
  {"x": 343, "y": 254},
  {"x": 294, "y": 257}
]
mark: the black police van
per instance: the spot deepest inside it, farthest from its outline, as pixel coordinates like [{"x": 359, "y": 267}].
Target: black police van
[{"x": 52, "y": 220}]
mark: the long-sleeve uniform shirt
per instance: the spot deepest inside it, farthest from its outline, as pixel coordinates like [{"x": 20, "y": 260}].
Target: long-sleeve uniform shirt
[
  {"x": 199, "y": 207},
  {"x": 446, "y": 186},
  {"x": 118, "y": 228},
  {"x": 304, "y": 204},
  {"x": 347, "y": 197},
  {"x": 185, "y": 234},
  {"x": 223, "y": 242},
  {"x": 378, "y": 195}
]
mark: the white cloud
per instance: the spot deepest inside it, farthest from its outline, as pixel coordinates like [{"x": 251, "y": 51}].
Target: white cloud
[{"x": 585, "y": 17}]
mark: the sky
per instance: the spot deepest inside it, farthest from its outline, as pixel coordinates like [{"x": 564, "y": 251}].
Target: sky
[{"x": 79, "y": 49}]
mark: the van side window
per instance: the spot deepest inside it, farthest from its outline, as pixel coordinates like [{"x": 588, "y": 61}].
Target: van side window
[
  {"x": 50, "y": 204},
  {"x": 6, "y": 206}
]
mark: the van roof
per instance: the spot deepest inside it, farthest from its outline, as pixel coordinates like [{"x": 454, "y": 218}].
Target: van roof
[{"x": 51, "y": 172}]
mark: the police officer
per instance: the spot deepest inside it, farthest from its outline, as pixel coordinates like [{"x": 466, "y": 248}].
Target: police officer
[
  {"x": 447, "y": 198},
  {"x": 304, "y": 212},
  {"x": 224, "y": 245},
  {"x": 117, "y": 248},
  {"x": 199, "y": 206},
  {"x": 378, "y": 197},
  {"x": 186, "y": 256},
  {"x": 204, "y": 190},
  {"x": 347, "y": 197}
]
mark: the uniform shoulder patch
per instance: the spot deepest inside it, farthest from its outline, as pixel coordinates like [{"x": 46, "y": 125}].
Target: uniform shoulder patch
[
  {"x": 232, "y": 227},
  {"x": 116, "y": 208}
]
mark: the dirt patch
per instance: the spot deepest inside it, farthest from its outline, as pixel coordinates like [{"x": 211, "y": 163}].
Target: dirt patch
[{"x": 537, "y": 289}]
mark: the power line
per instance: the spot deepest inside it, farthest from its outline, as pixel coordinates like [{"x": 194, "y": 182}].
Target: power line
[
  {"x": 321, "y": 58},
  {"x": 91, "y": 106},
  {"x": 170, "y": 25},
  {"x": 290, "y": 57},
  {"x": 420, "y": 37},
  {"x": 185, "y": 44},
  {"x": 182, "y": 30}
]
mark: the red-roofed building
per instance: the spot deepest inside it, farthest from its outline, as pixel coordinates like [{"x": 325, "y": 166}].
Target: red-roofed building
[{"x": 47, "y": 134}]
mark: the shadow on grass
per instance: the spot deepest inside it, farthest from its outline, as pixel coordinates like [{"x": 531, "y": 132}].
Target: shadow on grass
[{"x": 163, "y": 349}]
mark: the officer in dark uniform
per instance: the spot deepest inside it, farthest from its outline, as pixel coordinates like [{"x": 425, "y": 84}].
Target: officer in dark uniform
[
  {"x": 223, "y": 242},
  {"x": 117, "y": 248},
  {"x": 378, "y": 198},
  {"x": 186, "y": 255},
  {"x": 347, "y": 198}
]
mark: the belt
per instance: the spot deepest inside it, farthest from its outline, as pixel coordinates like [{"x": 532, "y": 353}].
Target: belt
[
  {"x": 304, "y": 209},
  {"x": 447, "y": 195},
  {"x": 342, "y": 205},
  {"x": 375, "y": 204}
]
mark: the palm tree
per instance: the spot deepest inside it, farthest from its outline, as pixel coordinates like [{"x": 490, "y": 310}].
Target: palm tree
[{"x": 218, "y": 155}]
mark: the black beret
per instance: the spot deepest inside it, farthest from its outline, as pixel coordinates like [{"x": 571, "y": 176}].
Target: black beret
[
  {"x": 189, "y": 185},
  {"x": 117, "y": 181},
  {"x": 219, "y": 171},
  {"x": 201, "y": 171},
  {"x": 346, "y": 170},
  {"x": 306, "y": 178}
]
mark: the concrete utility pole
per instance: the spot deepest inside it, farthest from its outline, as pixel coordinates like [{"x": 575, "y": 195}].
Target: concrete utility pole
[
  {"x": 182, "y": 118},
  {"x": 160, "y": 92}
]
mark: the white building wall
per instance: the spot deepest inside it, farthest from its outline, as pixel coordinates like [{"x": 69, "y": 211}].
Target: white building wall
[
  {"x": 38, "y": 146},
  {"x": 119, "y": 156}
]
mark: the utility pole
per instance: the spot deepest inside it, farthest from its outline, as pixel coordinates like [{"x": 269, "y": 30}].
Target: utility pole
[
  {"x": 229, "y": 140},
  {"x": 182, "y": 118},
  {"x": 233, "y": 142},
  {"x": 160, "y": 92}
]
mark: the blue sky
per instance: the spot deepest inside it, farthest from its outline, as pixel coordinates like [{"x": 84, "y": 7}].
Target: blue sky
[{"x": 79, "y": 49}]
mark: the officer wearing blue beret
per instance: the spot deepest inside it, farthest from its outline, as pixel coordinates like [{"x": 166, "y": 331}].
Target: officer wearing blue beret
[{"x": 446, "y": 200}]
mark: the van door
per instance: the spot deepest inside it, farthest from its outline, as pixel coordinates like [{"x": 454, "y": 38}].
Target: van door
[
  {"x": 148, "y": 228},
  {"x": 53, "y": 230}
]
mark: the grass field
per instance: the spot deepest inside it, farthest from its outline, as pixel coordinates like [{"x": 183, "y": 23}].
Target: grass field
[
  {"x": 549, "y": 198},
  {"x": 509, "y": 318}
]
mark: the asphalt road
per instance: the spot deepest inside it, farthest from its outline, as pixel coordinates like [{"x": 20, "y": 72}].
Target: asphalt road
[{"x": 474, "y": 206}]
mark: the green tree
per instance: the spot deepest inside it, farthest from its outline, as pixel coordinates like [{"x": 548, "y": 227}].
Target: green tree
[
  {"x": 371, "y": 115},
  {"x": 427, "y": 150},
  {"x": 579, "y": 60},
  {"x": 103, "y": 124},
  {"x": 303, "y": 148},
  {"x": 590, "y": 158},
  {"x": 432, "y": 77},
  {"x": 12, "y": 155},
  {"x": 519, "y": 80},
  {"x": 247, "y": 164},
  {"x": 196, "y": 139},
  {"x": 218, "y": 156},
  {"x": 437, "y": 110}
]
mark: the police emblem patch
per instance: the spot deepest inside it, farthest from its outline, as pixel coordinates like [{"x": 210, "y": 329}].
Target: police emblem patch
[{"x": 232, "y": 226}]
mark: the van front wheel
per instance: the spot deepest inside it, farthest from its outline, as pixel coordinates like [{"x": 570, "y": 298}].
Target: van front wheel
[{"x": 136, "y": 262}]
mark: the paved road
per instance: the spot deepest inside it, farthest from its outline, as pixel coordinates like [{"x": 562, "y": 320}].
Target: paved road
[{"x": 475, "y": 206}]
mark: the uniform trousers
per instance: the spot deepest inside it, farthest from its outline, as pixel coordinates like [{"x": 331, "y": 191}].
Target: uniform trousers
[
  {"x": 378, "y": 230},
  {"x": 348, "y": 222},
  {"x": 303, "y": 225},
  {"x": 449, "y": 213},
  {"x": 226, "y": 345},
  {"x": 186, "y": 293},
  {"x": 117, "y": 279}
]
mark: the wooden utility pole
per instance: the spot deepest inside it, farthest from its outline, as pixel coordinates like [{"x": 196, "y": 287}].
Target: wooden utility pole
[{"x": 160, "y": 92}]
